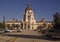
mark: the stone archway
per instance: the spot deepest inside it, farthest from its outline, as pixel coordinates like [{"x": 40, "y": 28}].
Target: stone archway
[{"x": 28, "y": 26}]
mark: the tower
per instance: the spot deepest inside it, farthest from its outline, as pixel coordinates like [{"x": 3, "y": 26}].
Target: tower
[{"x": 28, "y": 19}]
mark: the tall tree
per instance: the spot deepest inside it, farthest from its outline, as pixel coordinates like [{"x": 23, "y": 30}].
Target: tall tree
[{"x": 56, "y": 20}]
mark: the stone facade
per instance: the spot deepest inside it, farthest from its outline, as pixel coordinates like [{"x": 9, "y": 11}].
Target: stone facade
[{"x": 28, "y": 21}]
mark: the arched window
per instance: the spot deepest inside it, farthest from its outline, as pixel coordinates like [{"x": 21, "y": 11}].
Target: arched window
[
  {"x": 28, "y": 17},
  {"x": 28, "y": 26}
]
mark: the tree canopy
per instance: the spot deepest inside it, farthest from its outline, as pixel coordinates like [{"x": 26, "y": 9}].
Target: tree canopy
[
  {"x": 1, "y": 25},
  {"x": 56, "y": 20}
]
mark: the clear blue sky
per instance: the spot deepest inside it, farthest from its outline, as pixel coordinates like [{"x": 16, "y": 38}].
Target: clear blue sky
[{"x": 15, "y": 8}]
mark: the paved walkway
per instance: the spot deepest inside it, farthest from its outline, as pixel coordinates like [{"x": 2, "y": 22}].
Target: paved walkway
[
  {"x": 26, "y": 36},
  {"x": 19, "y": 39}
]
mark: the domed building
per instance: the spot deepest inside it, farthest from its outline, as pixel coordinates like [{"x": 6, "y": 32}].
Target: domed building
[{"x": 28, "y": 22}]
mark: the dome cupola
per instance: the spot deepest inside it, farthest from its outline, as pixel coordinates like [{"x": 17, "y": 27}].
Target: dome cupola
[{"x": 28, "y": 7}]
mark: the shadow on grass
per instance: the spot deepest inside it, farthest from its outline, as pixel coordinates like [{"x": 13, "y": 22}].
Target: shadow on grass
[{"x": 34, "y": 36}]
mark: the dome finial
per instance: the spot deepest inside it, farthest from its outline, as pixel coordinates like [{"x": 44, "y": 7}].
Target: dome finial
[{"x": 28, "y": 5}]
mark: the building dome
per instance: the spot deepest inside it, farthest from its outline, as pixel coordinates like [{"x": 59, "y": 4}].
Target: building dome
[{"x": 28, "y": 7}]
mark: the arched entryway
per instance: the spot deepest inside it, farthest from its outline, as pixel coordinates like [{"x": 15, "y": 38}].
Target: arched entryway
[{"x": 28, "y": 26}]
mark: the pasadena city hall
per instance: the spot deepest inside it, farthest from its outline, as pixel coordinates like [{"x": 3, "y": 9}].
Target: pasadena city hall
[{"x": 28, "y": 22}]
